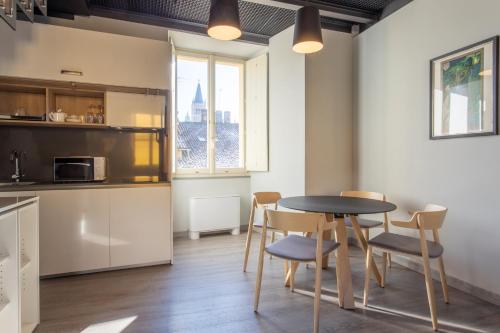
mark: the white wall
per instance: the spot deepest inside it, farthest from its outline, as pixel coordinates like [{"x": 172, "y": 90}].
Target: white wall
[
  {"x": 286, "y": 120},
  {"x": 328, "y": 125},
  {"x": 184, "y": 188},
  {"x": 393, "y": 152}
]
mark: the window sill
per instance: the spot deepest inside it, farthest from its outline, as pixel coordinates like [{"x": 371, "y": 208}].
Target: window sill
[{"x": 211, "y": 176}]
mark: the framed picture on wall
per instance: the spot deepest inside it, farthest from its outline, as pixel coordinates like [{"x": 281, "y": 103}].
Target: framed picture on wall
[{"x": 464, "y": 91}]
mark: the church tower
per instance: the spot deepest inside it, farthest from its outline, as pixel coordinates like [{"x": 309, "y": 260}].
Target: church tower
[{"x": 198, "y": 107}]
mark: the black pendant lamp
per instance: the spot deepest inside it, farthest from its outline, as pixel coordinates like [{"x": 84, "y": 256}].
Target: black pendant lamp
[
  {"x": 224, "y": 22},
  {"x": 307, "y": 35}
]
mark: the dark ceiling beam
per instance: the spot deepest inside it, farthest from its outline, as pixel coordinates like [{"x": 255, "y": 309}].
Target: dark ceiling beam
[
  {"x": 168, "y": 23},
  {"x": 365, "y": 15}
]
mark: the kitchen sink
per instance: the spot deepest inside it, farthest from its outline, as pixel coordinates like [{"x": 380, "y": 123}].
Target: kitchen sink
[{"x": 16, "y": 183}]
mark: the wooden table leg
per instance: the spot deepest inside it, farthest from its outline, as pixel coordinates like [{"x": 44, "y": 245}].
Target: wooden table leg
[
  {"x": 344, "y": 278},
  {"x": 327, "y": 235},
  {"x": 364, "y": 246}
]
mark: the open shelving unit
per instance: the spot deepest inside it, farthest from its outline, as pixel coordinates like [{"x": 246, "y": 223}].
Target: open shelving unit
[{"x": 38, "y": 102}]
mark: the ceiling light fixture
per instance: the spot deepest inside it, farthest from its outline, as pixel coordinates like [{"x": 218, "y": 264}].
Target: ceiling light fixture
[
  {"x": 224, "y": 21},
  {"x": 307, "y": 35}
]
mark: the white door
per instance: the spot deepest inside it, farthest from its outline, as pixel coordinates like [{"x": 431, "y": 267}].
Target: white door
[
  {"x": 74, "y": 230},
  {"x": 140, "y": 226}
]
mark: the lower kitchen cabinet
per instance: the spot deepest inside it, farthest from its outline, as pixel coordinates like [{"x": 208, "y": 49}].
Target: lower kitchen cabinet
[
  {"x": 140, "y": 230},
  {"x": 98, "y": 229},
  {"x": 19, "y": 275},
  {"x": 74, "y": 231}
]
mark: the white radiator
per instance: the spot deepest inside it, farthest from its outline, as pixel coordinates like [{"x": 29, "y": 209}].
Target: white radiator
[{"x": 207, "y": 214}]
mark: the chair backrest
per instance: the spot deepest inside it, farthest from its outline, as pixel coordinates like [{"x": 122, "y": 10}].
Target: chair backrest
[
  {"x": 432, "y": 217},
  {"x": 364, "y": 195},
  {"x": 266, "y": 198},
  {"x": 295, "y": 222}
]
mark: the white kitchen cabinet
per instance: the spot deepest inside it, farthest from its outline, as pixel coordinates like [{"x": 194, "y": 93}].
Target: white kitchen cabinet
[
  {"x": 74, "y": 233},
  {"x": 140, "y": 226},
  {"x": 29, "y": 272},
  {"x": 103, "y": 58},
  {"x": 9, "y": 273},
  {"x": 135, "y": 110},
  {"x": 19, "y": 276}
]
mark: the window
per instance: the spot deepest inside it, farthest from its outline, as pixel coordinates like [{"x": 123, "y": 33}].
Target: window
[{"x": 209, "y": 133}]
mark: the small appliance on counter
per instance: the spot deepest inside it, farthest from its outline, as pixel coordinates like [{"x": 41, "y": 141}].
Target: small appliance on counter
[{"x": 79, "y": 169}]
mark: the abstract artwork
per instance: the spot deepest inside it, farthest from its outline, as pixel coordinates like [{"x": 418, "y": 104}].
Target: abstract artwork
[{"x": 463, "y": 92}]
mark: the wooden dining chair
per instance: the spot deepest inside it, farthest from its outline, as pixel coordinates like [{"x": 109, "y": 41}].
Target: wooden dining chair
[
  {"x": 259, "y": 199},
  {"x": 431, "y": 218},
  {"x": 296, "y": 248},
  {"x": 367, "y": 224}
]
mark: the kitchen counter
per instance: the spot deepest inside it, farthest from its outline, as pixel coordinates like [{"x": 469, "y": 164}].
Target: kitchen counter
[
  {"x": 78, "y": 186},
  {"x": 9, "y": 203}
]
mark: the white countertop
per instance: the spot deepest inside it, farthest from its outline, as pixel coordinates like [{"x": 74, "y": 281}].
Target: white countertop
[{"x": 9, "y": 203}]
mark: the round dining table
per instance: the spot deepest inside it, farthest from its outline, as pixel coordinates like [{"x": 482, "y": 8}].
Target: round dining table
[{"x": 336, "y": 208}]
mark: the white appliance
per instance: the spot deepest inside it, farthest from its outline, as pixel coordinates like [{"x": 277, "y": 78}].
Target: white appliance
[{"x": 217, "y": 213}]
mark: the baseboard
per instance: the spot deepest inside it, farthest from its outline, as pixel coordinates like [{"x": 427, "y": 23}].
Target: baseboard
[
  {"x": 185, "y": 234},
  {"x": 454, "y": 282}
]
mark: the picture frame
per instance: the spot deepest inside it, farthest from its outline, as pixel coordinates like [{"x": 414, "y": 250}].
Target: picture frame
[{"x": 464, "y": 92}]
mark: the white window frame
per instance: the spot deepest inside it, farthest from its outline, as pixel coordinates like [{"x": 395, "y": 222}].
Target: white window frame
[{"x": 211, "y": 170}]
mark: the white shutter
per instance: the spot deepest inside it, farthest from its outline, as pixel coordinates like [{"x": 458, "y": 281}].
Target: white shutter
[{"x": 256, "y": 118}]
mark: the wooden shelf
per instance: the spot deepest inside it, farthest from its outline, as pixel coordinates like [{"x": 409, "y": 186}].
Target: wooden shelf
[{"x": 49, "y": 124}]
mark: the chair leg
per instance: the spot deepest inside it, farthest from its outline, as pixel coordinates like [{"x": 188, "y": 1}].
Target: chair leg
[
  {"x": 385, "y": 258},
  {"x": 273, "y": 238},
  {"x": 444, "y": 283},
  {"x": 430, "y": 292},
  {"x": 317, "y": 295},
  {"x": 259, "y": 271},
  {"x": 389, "y": 256},
  {"x": 368, "y": 268},
  {"x": 247, "y": 245},
  {"x": 366, "y": 233},
  {"x": 293, "y": 269}
]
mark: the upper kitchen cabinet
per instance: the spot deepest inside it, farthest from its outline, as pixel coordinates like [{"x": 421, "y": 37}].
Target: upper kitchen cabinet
[
  {"x": 36, "y": 51},
  {"x": 135, "y": 110}
]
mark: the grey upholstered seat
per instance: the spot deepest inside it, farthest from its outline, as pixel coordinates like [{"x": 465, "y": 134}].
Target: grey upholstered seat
[
  {"x": 363, "y": 223},
  {"x": 299, "y": 248},
  {"x": 405, "y": 244}
]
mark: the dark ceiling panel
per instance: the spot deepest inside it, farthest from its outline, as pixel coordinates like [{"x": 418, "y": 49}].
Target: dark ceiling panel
[
  {"x": 255, "y": 18},
  {"x": 259, "y": 22},
  {"x": 370, "y": 5}
]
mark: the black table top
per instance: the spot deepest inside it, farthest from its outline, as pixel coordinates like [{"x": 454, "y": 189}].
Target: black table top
[{"x": 336, "y": 205}]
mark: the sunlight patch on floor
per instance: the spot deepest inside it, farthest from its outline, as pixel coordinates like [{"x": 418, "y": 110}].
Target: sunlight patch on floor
[{"x": 113, "y": 326}]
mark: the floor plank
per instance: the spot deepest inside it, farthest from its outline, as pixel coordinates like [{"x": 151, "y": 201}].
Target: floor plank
[{"x": 206, "y": 291}]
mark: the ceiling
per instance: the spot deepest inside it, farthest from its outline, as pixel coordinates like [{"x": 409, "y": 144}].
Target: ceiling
[{"x": 260, "y": 19}]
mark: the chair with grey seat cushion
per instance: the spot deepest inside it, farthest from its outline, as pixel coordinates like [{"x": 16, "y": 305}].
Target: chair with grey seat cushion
[
  {"x": 296, "y": 248},
  {"x": 367, "y": 224},
  {"x": 431, "y": 218},
  {"x": 259, "y": 200}
]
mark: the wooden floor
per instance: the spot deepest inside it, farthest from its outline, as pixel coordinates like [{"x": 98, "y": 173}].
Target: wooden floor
[{"x": 206, "y": 291}]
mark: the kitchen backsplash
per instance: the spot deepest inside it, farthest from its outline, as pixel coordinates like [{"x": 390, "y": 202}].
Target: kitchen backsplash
[{"x": 131, "y": 155}]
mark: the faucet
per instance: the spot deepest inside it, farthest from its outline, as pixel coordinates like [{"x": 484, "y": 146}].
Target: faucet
[{"x": 16, "y": 158}]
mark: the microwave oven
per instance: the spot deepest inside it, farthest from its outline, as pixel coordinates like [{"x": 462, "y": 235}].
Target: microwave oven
[{"x": 79, "y": 169}]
